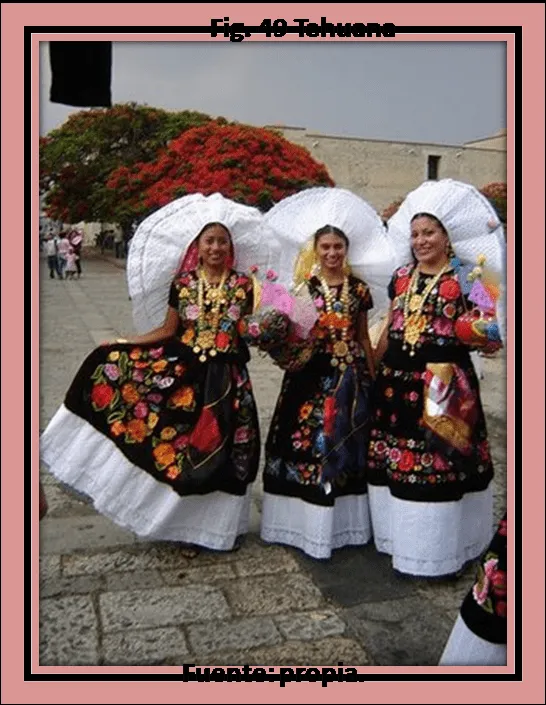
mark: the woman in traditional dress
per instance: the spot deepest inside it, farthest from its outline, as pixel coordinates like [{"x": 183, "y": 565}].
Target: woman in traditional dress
[
  {"x": 314, "y": 477},
  {"x": 315, "y": 467},
  {"x": 161, "y": 430},
  {"x": 429, "y": 462},
  {"x": 479, "y": 635}
]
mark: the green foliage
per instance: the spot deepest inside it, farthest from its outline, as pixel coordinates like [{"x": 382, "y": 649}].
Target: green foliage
[{"x": 77, "y": 159}]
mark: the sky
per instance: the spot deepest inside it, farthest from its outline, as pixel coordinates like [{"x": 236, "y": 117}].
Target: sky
[{"x": 436, "y": 92}]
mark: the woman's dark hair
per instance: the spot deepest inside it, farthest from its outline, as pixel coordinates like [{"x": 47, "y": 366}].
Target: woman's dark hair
[
  {"x": 433, "y": 218},
  {"x": 439, "y": 224},
  {"x": 210, "y": 225},
  {"x": 330, "y": 230},
  {"x": 226, "y": 230}
]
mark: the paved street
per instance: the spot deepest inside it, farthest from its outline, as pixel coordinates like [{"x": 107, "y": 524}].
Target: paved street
[{"x": 108, "y": 598}]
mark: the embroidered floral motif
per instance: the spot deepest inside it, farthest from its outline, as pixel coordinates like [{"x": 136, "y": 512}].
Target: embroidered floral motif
[
  {"x": 408, "y": 460},
  {"x": 132, "y": 392},
  {"x": 443, "y": 306},
  {"x": 359, "y": 300},
  {"x": 489, "y": 591},
  {"x": 296, "y": 455},
  {"x": 237, "y": 292}
]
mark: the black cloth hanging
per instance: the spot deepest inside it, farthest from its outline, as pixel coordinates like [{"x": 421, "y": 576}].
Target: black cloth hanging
[{"x": 81, "y": 73}]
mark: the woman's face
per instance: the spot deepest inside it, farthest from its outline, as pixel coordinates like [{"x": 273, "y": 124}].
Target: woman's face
[
  {"x": 428, "y": 241},
  {"x": 331, "y": 251},
  {"x": 214, "y": 246}
]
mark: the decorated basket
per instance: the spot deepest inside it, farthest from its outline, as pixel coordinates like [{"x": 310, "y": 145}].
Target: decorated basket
[{"x": 477, "y": 329}]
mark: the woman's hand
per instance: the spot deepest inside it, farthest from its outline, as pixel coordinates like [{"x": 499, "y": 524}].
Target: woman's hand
[
  {"x": 489, "y": 349},
  {"x": 383, "y": 340},
  {"x": 117, "y": 341},
  {"x": 167, "y": 330}
]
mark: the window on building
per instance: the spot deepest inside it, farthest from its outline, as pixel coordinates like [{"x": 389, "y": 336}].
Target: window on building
[{"x": 433, "y": 169}]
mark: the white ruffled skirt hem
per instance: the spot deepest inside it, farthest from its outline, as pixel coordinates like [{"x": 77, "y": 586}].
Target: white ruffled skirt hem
[
  {"x": 314, "y": 529},
  {"x": 431, "y": 538},
  {"x": 83, "y": 458}
]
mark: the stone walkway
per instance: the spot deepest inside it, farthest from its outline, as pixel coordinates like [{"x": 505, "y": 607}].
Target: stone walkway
[{"x": 108, "y": 598}]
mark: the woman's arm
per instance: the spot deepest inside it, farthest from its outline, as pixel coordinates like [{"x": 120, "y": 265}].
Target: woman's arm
[
  {"x": 363, "y": 336},
  {"x": 382, "y": 343},
  {"x": 167, "y": 330}
]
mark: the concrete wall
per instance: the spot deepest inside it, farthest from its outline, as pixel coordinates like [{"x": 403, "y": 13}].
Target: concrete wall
[
  {"x": 497, "y": 141},
  {"x": 382, "y": 171}
]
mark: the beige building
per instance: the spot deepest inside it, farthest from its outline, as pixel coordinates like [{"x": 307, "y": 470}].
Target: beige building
[
  {"x": 496, "y": 142},
  {"x": 381, "y": 171}
]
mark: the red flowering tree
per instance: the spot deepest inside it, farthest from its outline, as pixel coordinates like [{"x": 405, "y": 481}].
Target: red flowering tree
[
  {"x": 251, "y": 165},
  {"x": 497, "y": 194},
  {"x": 77, "y": 159}
]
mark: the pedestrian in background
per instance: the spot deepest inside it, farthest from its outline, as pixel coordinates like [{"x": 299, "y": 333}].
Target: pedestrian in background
[
  {"x": 76, "y": 240},
  {"x": 118, "y": 244},
  {"x": 51, "y": 253},
  {"x": 71, "y": 263},
  {"x": 63, "y": 246}
]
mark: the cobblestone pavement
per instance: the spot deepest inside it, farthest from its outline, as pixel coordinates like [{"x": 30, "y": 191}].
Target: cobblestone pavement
[{"x": 108, "y": 598}]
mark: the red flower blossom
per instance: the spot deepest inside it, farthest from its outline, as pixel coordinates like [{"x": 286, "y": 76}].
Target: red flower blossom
[
  {"x": 251, "y": 165},
  {"x": 500, "y": 608},
  {"x": 401, "y": 285},
  {"x": 407, "y": 461},
  {"x": 498, "y": 582},
  {"x": 102, "y": 395},
  {"x": 450, "y": 289},
  {"x": 222, "y": 341},
  {"x": 329, "y": 415},
  {"x": 206, "y": 435}
]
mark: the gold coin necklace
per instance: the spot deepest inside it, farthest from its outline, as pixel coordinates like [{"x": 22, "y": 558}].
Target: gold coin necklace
[
  {"x": 341, "y": 353},
  {"x": 214, "y": 296},
  {"x": 415, "y": 321}
]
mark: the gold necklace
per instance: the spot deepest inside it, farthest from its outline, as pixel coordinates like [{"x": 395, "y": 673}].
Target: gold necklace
[
  {"x": 214, "y": 296},
  {"x": 342, "y": 356},
  {"x": 415, "y": 321}
]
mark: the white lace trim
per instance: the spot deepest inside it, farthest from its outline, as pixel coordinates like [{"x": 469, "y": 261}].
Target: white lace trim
[
  {"x": 83, "y": 458},
  {"x": 314, "y": 529}
]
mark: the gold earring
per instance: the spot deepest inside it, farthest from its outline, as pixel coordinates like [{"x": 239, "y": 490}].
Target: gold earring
[{"x": 346, "y": 267}]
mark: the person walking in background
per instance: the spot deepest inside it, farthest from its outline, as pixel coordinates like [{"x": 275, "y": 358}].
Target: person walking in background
[
  {"x": 118, "y": 244},
  {"x": 51, "y": 253},
  {"x": 63, "y": 246},
  {"x": 71, "y": 263},
  {"x": 76, "y": 240}
]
